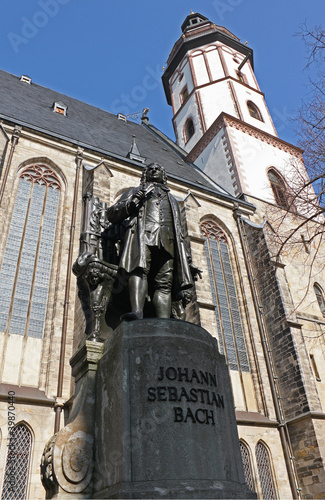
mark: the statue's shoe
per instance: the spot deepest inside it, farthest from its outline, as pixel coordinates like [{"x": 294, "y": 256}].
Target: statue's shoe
[{"x": 132, "y": 316}]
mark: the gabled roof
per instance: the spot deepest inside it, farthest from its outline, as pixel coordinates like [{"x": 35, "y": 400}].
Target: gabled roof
[{"x": 95, "y": 129}]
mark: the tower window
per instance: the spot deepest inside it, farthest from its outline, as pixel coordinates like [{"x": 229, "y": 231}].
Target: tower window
[
  {"x": 241, "y": 77},
  {"x": 254, "y": 111},
  {"x": 183, "y": 95},
  {"x": 231, "y": 337},
  {"x": 281, "y": 195},
  {"x": 320, "y": 298},
  {"x": 189, "y": 129}
]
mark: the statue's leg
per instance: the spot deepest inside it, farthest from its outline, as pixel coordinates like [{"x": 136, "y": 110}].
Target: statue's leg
[
  {"x": 162, "y": 297},
  {"x": 138, "y": 290}
]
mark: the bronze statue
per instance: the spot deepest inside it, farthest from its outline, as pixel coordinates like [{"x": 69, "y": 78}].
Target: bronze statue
[{"x": 154, "y": 253}]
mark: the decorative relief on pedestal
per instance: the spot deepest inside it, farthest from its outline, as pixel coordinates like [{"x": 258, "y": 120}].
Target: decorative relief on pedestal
[
  {"x": 47, "y": 474},
  {"x": 77, "y": 459},
  {"x": 95, "y": 283}
]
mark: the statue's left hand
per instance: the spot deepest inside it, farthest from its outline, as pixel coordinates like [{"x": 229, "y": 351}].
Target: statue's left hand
[{"x": 195, "y": 272}]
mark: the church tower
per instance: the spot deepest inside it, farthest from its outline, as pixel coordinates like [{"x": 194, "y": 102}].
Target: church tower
[{"x": 220, "y": 115}]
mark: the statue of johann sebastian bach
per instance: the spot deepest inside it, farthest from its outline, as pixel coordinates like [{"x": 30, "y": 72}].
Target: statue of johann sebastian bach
[{"x": 155, "y": 255}]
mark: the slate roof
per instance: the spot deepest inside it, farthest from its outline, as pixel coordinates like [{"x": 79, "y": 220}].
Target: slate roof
[{"x": 93, "y": 128}]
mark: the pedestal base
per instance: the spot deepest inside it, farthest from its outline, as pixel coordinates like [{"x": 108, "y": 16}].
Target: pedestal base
[
  {"x": 195, "y": 489},
  {"x": 165, "y": 422}
]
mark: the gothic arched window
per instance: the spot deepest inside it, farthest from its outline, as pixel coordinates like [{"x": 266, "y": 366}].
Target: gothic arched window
[
  {"x": 189, "y": 129},
  {"x": 264, "y": 472},
  {"x": 25, "y": 271},
  {"x": 231, "y": 337},
  {"x": 320, "y": 298},
  {"x": 281, "y": 195},
  {"x": 248, "y": 474},
  {"x": 254, "y": 111},
  {"x": 17, "y": 463}
]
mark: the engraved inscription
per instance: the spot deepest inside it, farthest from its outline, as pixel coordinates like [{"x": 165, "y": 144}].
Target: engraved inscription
[{"x": 186, "y": 393}]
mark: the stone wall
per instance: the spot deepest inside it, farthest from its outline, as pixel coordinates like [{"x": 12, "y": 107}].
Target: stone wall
[{"x": 292, "y": 372}]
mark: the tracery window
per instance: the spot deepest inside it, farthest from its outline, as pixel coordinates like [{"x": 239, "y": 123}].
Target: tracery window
[
  {"x": 248, "y": 474},
  {"x": 17, "y": 464},
  {"x": 189, "y": 129},
  {"x": 25, "y": 272},
  {"x": 254, "y": 111},
  {"x": 320, "y": 298},
  {"x": 231, "y": 337},
  {"x": 265, "y": 473}
]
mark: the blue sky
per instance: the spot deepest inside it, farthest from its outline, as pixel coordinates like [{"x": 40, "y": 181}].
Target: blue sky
[{"x": 111, "y": 53}]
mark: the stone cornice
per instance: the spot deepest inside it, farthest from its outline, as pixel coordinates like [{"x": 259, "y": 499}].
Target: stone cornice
[{"x": 224, "y": 120}]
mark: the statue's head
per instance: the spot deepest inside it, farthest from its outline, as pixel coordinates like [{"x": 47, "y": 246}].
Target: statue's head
[{"x": 154, "y": 173}]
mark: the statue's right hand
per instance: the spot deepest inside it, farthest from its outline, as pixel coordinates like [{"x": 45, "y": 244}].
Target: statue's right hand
[
  {"x": 138, "y": 197},
  {"x": 136, "y": 200}
]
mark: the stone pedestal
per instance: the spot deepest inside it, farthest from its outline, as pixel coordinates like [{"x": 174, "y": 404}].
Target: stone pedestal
[
  {"x": 165, "y": 422},
  {"x": 67, "y": 461}
]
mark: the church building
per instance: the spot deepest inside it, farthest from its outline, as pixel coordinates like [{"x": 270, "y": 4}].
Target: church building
[{"x": 231, "y": 175}]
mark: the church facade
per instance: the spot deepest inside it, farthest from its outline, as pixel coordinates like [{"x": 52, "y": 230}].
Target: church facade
[{"x": 231, "y": 175}]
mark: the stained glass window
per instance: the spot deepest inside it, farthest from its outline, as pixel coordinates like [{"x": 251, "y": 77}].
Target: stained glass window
[
  {"x": 17, "y": 464},
  {"x": 231, "y": 338},
  {"x": 264, "y": 471},
  {"x": 25, "y": 272}
]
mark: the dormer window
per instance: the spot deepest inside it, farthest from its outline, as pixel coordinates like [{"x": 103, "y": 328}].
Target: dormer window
[
  {"x": 25, "y": 79},
  {"x": 60, "y": 107},
  {"x": 122, "y": 117}
]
